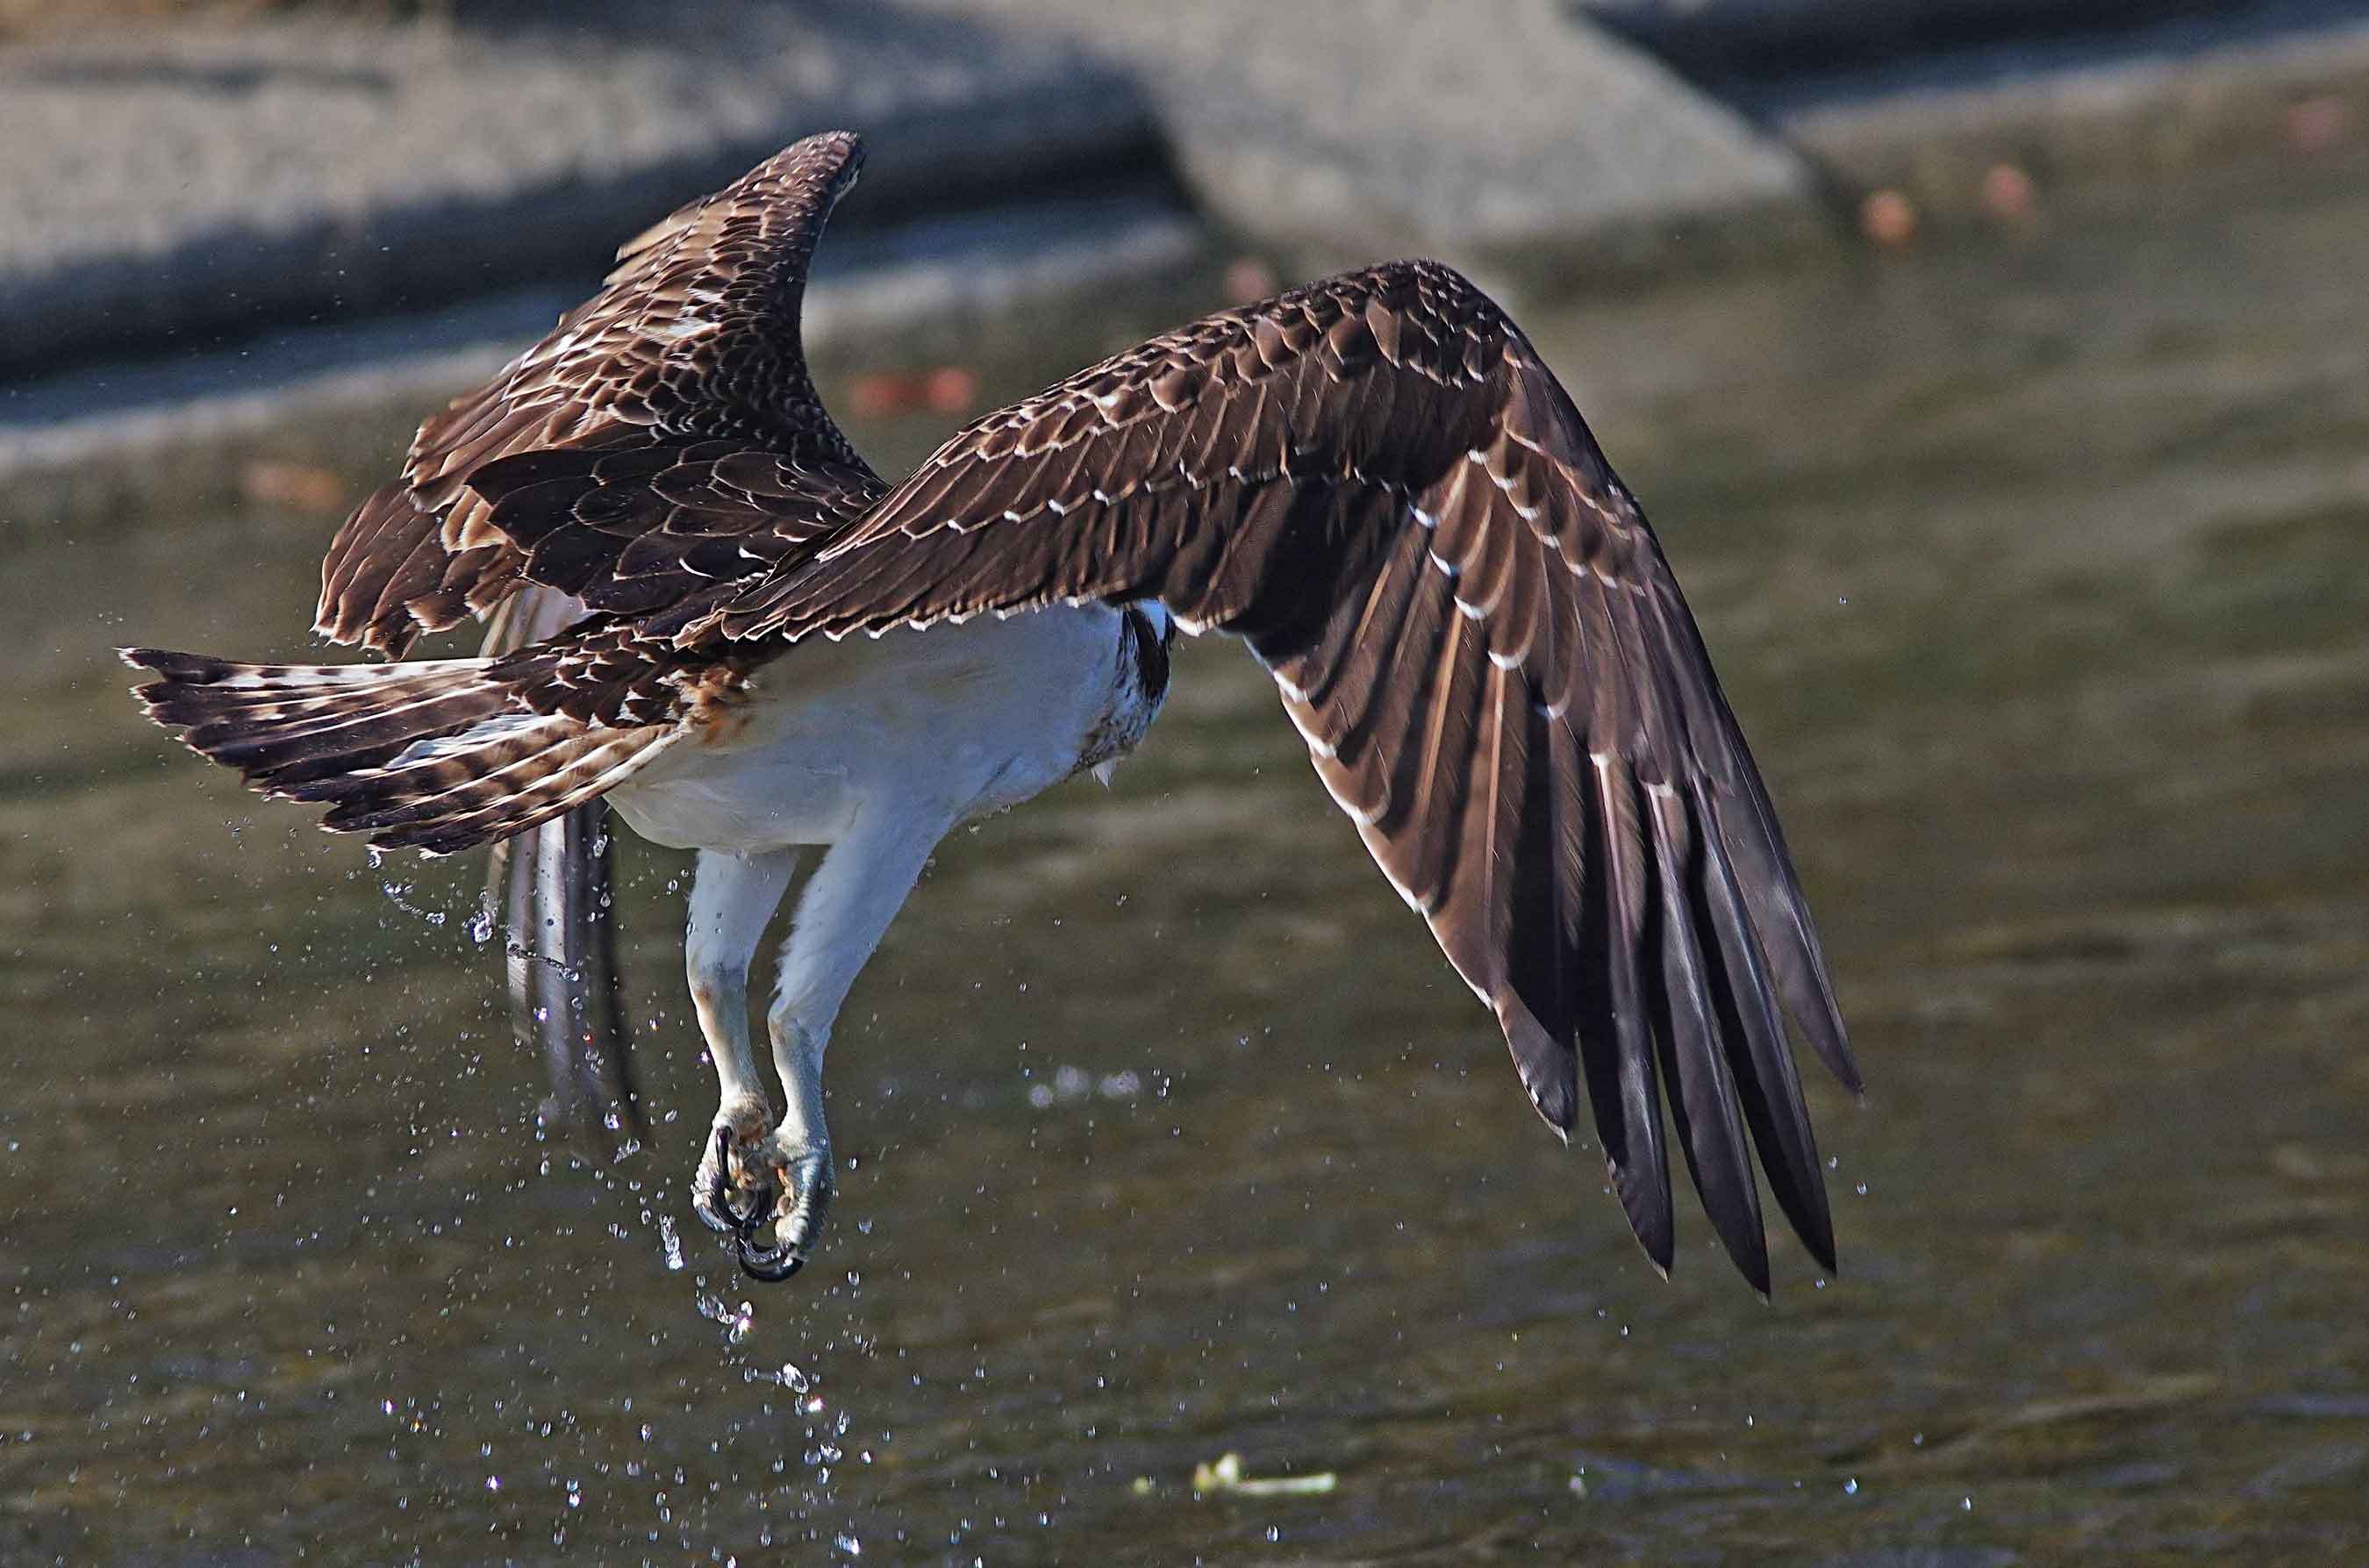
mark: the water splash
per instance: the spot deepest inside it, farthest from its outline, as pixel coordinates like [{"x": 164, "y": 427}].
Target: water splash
[
  {"x": 788, "y": 1375},
  {"x": 399, "y": 895},
  {"x": 739, "y": 1320},
  {"x": 671, "y": 1242}
]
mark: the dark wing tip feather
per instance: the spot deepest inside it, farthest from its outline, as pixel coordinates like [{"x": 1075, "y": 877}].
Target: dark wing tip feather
[
  {"x": 1544, "y": 1063},
  {"x": 1782, "y": 914},
  {"x": 1645, "y": 1199},
  {"x": 1768, "y": 1086},
  {"x": 1687, "y": 1029},
  {"x": 186, "y": 694},
  {"x": 196, "y": 669},
  {"x": 1838, "y": 1057}
]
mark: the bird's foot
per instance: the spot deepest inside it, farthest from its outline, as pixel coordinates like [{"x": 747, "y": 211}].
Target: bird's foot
[
  {"x": 736, "y": 1190},
  {"x": 809, "y": 1178},
  {"x": 767, "y": 1190}
]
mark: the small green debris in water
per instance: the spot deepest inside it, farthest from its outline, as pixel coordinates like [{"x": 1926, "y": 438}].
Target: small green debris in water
[{"x": 1226, "y": 1475}]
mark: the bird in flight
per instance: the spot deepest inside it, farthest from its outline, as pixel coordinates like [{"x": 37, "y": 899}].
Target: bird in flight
[{"x": 1373, "y": 480}]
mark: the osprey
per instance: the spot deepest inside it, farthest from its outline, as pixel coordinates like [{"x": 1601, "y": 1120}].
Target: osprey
[{"x": 1373, "y": 480}]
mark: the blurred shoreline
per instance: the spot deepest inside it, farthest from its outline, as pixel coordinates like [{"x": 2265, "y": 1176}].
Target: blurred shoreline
[{"x": 202, "y": 221}]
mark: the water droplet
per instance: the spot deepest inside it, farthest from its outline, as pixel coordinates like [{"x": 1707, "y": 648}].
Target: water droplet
[{"x": 671, "y": 1242}]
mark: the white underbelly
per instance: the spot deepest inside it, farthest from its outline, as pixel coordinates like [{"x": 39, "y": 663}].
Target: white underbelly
[{"x": 951, "y": 721}]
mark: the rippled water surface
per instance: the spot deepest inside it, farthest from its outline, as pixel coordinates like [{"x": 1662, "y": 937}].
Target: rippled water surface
[{"x": 2037, "y": 573}]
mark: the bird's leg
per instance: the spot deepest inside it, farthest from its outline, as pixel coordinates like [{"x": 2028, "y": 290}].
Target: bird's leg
[
  {"x": 848, "y": 903},
  {"x": 732, "y": 897}
]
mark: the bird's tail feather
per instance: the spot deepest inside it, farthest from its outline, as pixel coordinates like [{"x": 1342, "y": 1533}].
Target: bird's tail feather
[{"x": 438, "y": 755}]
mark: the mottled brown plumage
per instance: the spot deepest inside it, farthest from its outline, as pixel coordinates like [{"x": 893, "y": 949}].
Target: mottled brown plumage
[
  {"x": 695, "y": 336},
  {"x": 664, "y": 437},
  {"x": 1373, "y": 480},
  {"x": 655, "y": 529}
]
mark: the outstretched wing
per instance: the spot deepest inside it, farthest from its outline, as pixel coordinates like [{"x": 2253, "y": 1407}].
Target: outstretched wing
[
  {"x": 695, "y": 337},
  {"x": 1376, "y": 481}
]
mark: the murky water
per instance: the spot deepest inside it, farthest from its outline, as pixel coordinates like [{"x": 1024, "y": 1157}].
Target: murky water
[{"x": 2038, "y": 575}]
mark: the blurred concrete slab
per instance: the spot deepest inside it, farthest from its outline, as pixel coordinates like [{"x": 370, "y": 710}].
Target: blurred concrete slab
[
  {"x": 160, "y": 185},
  {"x": 1510, "y": 132}
]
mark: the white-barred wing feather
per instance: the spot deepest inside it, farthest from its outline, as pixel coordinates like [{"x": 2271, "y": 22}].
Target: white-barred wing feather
[{"x": 694, "y": 337}]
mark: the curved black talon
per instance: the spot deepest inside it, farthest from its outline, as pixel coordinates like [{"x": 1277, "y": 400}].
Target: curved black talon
[
  {"x": 772, "y": 1265},
  {"x": 761, "y": 1206},
  {"x": 719, "y": 1213},
  {"x": 812, "y": 1183},
  {"x": 714, "y": 1206}
]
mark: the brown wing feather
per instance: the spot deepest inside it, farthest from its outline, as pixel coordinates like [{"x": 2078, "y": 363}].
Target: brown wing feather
[
  {"x": 693, "y": 337},
  {"x": 1376, "y": 481},
  {"x": 664, "y": 531}
]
